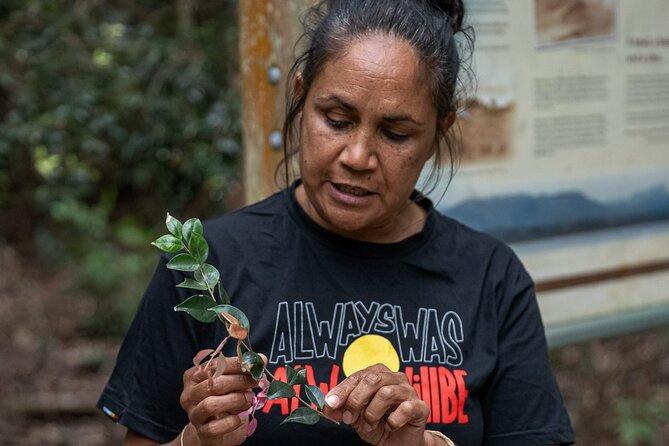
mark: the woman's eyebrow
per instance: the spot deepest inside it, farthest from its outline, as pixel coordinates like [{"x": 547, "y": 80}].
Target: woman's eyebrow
[
  {"x": 399, "y": 118},
  {"x": 334, "y": 99}
]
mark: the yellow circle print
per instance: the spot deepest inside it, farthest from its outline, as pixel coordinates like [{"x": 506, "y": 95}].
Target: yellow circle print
[{"x": 369, "y": 350}]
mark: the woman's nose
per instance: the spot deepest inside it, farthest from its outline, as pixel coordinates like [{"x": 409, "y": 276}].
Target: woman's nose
[{"x": 360, "y": 151}]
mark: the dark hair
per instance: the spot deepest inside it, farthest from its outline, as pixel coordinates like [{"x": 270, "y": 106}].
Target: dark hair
[{"x": 430, "y": 26}]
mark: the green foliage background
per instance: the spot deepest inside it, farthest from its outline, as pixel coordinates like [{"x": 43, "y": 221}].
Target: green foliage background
[{"x": 111, "y": 114}]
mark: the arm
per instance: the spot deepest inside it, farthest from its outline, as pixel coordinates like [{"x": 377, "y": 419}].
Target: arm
[
  {"x": 521, "y": 400},
  {"x": 133, "y": 438}
]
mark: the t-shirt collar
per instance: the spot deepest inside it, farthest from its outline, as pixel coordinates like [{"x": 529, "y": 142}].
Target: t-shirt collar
[{"x": 358, "y": 248}]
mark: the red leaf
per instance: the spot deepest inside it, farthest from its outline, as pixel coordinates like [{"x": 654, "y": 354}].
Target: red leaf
[
  {"x": 217, "y": 351},
  {"x": 201, "y": 355},
  {"x": 263, "y": 383},
  {"x": 221, "y": 365},
  {"x": 230, "y": 318},
  {"x": 237, "y": 331},
  {"x": 253, "y": 424}
]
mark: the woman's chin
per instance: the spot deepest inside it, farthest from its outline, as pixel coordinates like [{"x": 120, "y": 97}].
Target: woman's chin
[{"x": 351, "y": 226}]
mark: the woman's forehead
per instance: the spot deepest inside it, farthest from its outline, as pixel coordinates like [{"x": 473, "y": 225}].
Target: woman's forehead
[
  {"x": 386, "y": 51},
  {"x": 380, "y": 67}
]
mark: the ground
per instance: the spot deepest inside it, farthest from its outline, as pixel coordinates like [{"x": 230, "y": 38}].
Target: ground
[{"x": 51, "y": 376}]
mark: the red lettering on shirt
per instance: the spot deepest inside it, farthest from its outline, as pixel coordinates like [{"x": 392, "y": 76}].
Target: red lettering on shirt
[{"x": 444, "y": 391}]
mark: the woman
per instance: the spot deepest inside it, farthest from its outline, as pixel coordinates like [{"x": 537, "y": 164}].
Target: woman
[{"x": 418, "y": 328}]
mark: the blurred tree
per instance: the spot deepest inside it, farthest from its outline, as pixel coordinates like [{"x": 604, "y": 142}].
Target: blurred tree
[
  {"x": 111, "y": 113},
  {"x": 116, "y": 107}
]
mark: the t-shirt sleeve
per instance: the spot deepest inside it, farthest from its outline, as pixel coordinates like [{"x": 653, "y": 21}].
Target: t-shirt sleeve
[
  {"x": 522, "y": 404},
  {"x": 144, "y": 388}
]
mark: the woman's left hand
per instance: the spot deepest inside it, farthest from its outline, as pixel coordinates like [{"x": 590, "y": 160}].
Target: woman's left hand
[{"x": 381, "y": 406}]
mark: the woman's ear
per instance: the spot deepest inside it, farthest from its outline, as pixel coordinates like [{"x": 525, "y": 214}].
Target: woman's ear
[{"x": 447, "y": 123}]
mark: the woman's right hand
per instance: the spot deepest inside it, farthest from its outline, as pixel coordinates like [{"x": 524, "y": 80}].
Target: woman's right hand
[{"x": 213, "y": 405}]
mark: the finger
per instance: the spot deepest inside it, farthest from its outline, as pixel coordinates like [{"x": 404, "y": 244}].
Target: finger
[
  {"x": 360, "y": 396},
  {"x": 379, "y": 384},
  {"x": 215, "y": 406},
  {"x": 339, "y": 394},
  {"x": 230, "y": 366},
  {"x": 222, "y": 385},
  {"x": 412, "y": 413},
  {"x": 194, "y": 375},
  {"x": 225, "y": 430},
  {"x": 336, "y": 397},
  {"x": 385, "y": 400}
]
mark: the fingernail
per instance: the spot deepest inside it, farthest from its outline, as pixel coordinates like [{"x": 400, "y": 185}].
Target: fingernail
[
  {"x": 347, "y": 417},
  {"x": 332, "y": 400},
  {"x": 249, "y": 397}
]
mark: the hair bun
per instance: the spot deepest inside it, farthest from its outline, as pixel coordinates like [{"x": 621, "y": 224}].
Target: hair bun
[{"x": 455, "y": 9}]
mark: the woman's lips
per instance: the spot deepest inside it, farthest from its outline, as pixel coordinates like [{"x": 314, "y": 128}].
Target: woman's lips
[
  {"x": 351, "y": 190},
  {"x": 349, "y": 194}
]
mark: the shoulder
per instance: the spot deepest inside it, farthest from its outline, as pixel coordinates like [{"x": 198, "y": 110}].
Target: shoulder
[
  {"x": 467, "y": 241},
  {"x": 483, "y": 262},
  {"x": 247, "y": 219},
  {"x": 245, "y": 229},
  {"x": 476, "y": 255}
]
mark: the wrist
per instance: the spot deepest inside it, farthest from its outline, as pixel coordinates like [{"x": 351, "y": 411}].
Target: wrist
[
  {"x": 188, "y": 437},
  {"x": 436, "y": 438},
  {"x": 427, "y": 439}
]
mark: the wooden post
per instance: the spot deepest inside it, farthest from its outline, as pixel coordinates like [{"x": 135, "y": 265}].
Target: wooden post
[{"x": 268, "y": 31}]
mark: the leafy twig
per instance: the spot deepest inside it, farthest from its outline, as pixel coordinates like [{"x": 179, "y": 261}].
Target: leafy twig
[{"x": 191, "y": 251}]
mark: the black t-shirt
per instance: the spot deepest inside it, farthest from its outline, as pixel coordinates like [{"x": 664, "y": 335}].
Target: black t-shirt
[{"x": 452, "y": 308}]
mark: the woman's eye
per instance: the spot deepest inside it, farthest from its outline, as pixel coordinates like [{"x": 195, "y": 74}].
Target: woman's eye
[
  {"x": 336, "y": 124},
  {"x": 394, "y": 136}
]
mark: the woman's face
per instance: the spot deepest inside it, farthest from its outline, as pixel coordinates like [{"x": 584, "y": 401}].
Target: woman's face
[{"x": 368, "y": 127}]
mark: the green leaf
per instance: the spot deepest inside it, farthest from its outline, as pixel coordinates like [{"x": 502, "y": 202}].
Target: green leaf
[
  {"x": 168, "y": 243},
  {"x": 183, "y": 262},
  {"x": 174, "y": 226},
  {"x": 198, "y": 247},
  {"x": 234, "y": 312},
  {"x": 223, "y": 295},
  {"x": 208, "y": 274},
  {"x": 304, "y": 415},
  {"x": 192, "y": 226},
  {"x": 253, "y": 363},
  {"x": 192, "y": 284},
  {"x": 315, "y": 395},
  {"x": 279, "y": 389},
  {"x": 295, "y": 377},
  {"x": 199, "y": 307}
]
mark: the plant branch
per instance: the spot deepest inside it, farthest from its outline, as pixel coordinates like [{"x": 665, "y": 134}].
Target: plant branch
[
  {"x": 209, "y": 288},
  {"x": 306, "y": 403}
]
